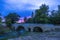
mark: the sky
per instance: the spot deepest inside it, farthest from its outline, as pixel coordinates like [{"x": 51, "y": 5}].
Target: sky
[{"x": 25, "y": 7}]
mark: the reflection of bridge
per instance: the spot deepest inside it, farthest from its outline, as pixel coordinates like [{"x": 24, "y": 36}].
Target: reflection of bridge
[{"x": 38, "y": 27}]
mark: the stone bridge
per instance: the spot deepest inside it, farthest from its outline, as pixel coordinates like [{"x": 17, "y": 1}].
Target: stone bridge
[{"x": 35, "y": 27}]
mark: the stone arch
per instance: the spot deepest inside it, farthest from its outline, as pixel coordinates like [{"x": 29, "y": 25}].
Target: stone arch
[
  {"x": 20, "y": 28},
  {"x": 37, "y": 29}
]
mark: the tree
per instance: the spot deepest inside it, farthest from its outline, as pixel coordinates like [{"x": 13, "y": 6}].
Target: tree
[
  {"x": 55, "y": 17},
  {"x": 30, "y": 20},
  {"x": 52, "y": 16},
  {"x": 32, "y": 15},
  {"x": 11, "y": 18},
  {"x": 25, "y": 19},
  {"x": 41, "y": 14}
]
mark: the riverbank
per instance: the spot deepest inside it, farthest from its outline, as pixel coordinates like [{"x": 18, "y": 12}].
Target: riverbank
[{"x": 39, "y": 36}]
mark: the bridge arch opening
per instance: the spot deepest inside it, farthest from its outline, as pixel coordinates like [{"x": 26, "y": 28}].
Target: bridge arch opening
[
  {"x": 21, "y": 29},
  {"x": 37, "y": 29},
  {"x": 29, "y": 29}
]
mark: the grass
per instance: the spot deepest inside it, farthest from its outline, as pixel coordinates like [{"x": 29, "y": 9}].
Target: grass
[{"x": 4, "y": 39}]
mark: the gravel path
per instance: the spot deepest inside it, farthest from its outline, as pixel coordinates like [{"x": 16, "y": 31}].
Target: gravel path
[{"x": 40, "y": 36}]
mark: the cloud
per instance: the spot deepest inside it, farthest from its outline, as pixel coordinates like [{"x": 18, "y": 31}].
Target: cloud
[
  {"x": 18, "y": 4},
  {"x": 29, "y": 4},
  {"x": 22, "y": 5}
]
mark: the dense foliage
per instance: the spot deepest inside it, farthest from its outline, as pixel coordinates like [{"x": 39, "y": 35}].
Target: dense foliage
[
  {"x": 11, "y": 18},
  {"x": 42, "y": 16}
]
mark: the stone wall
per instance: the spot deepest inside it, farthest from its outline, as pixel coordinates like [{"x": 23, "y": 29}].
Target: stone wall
[{"x": 44, "y": 27}]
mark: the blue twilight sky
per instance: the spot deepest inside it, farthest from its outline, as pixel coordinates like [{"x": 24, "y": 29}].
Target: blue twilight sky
[{"x": 25, "y": 7}]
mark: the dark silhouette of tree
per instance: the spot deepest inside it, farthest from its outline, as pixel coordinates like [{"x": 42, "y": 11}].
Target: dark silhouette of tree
[
  {"x": 30, "y": 20},
  {"x": 11, "y": 18},
  {"x": 25, "y": 19},
  {"x": 32, "y": 15},
  {"x": 55, "y": 16},
  {"x": 41, "y": 14}
]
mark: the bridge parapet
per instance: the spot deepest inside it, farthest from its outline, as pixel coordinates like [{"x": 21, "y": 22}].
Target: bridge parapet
[{"x": 31, "y": 26}]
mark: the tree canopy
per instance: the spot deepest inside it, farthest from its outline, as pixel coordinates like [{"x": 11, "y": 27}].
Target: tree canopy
[
  {"x": 42, "y": 15},
  {"x": 11, "y": 18}
]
